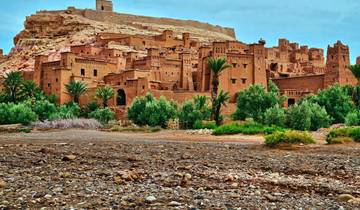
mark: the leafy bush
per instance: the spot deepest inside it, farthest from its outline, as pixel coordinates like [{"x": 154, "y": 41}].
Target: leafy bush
[
  {"x": 67, "y": 111},
  {"x": 289, "y": 137},
  {"x": 4, "y": 113},
  {"x": 44, "y": 109},
  {"x": 149, "y": 111},
  {"x": 254, "y": 101},
  {"x": 249, "y": 128},
  {"x": 204, "y": 125},
  {"x": 16, "y": 114},
  {"x": 275, "y": 116},
  {"x": 352, "y": 119},
  {"x": 88, "y": 108},
  {"x": 307, "y": 116},
  {"x": 68, "y": 124},
  {"x": 342, "y": 133},
  {"x": 339, "y": 140},
  {"x": 188, "y": 115},
  {"x": 336, "y": 102},
  {"x": 102, "y": 115}
]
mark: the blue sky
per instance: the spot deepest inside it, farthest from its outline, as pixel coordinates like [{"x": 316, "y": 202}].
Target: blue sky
[{"x": 316, "y": 23}]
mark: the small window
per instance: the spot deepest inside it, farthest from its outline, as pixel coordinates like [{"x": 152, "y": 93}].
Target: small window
[
  {"x": 82, "y": 72},
  {"x": 49, "y": 85},
  {"x": 118, "y": 83},
  {"x": 143, "y": 87},
  {"x": 243, "y": 81},
  {"x": 95, "y": 73},
  {"x": 233, "y": 81},
  {"x": 57, "y": 80},
  {"x": 234, "y": 65},
  {"x": 245, "y": 65}
]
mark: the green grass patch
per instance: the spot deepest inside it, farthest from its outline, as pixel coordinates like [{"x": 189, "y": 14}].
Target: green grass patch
[
  {"x": 204, "y": 125},
  {"x": 289, "y": 137},
  {"x": 343, "y": 135},
  {"x": 248, "y": 128}
]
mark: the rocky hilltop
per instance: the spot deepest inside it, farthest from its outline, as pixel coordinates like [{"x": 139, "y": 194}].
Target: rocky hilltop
[{"x": 51, "y": 32}]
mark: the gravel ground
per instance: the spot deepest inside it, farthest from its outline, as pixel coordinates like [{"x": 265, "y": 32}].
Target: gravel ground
[{"x": 76, "y": 169}]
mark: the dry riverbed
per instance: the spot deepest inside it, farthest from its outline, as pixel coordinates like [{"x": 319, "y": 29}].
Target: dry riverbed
[{"x": 172, "y": 170}]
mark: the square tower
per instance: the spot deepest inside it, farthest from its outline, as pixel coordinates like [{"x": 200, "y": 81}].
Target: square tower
[{"x": 104, "y": 5}]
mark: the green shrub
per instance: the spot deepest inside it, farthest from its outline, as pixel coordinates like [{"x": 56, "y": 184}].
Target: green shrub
[
  {"x": 352, "y": 119},
  {"x": 194, "y": 111},
  {"x": 66, "y": 111},
  {"x": 102, "y": 115},
  {"x": 188, "y": 115},
  {"x": 4, "y": 113},
  {"x": 339, "y": 140},
  {"x": 249, "y": 128},
  {"x": 346, "y": 132},
  {"x": 228, "y": 129},
  {"x": 355, "y": 134},
  {"x": 336, "y": 102},
  {"x": 149, "y": 111},
  {"x": 44, "y": 109},
  {"x": 299, "y": 117},
  {"x": 17, "y": 113},
  {"x": 88, "y": 108},
  {"x": 254, "y": 101},
  {"x": 289, "y": 137},
  {"x": 307, "y": 116},
  {"x": 204, "y": 125},
  {"x": 275, "y": 116}
]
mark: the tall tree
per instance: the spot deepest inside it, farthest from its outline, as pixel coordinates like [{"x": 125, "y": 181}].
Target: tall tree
[
  {"x": 12, "y": 84},
  {"x": 76, "y": 89},
  {"x": 220, "y": 101},
  {"x": 217, "y": 66},
  {"x": 105, "y": 93}
]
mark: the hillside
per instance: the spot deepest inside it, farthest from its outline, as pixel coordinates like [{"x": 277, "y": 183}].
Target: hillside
[{"x": 50, "y": 32}]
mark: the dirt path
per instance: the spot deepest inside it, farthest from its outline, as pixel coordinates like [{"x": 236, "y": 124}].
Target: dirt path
[{"x": 168, "y": 171}]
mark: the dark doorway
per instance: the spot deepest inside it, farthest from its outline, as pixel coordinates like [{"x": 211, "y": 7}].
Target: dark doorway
[
  {"x": 291, "y": 102},
  {"x": 102, "y": 8},
  {"x": 121, "y": 98}
]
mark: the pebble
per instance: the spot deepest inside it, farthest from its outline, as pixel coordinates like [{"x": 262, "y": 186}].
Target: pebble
[
  {"x": 69, "y": 158},
  {"x": 174, "y": 203},
  {"x": 345, "y": 197},
  {"x": 150, "y": 199},
  {"x": 2, "y": 184}
]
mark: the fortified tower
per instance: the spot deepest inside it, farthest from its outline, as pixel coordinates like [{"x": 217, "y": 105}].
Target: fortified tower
[
  {"x": 104, "y": 5},
  {"x": 337, "y": 62},
  {"x": 358, "y": 60}
]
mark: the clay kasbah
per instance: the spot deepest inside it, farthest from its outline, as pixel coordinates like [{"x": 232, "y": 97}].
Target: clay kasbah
[{"x": 170, "y": 169}]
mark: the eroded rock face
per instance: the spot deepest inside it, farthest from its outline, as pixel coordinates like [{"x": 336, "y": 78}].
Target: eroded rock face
[{"x": 50, "y": 32}]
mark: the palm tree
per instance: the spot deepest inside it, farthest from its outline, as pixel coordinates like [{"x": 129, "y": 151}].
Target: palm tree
[
  {"x": 105, "y": 93},
  {"x": 29, "y": 89},
  {"x": 76, "y": 89},
  {"x": 217, "y": 66},
  {"x": 12, "y": 84},
  {"x": 220, "y": 101},
  {"x": 355, "y": 69}
]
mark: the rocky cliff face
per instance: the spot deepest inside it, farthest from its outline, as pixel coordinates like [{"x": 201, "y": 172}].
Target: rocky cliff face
[{"x": 50, "y": 32}]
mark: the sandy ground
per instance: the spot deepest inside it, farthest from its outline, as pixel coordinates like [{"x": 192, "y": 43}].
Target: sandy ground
[{"x": 172, "y": 170}]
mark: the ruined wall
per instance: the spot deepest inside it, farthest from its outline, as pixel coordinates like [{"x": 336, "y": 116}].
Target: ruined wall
[{"x": 358, "y": 60}]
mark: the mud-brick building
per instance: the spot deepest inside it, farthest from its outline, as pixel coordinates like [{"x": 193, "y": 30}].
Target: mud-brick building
[
  {"x": 165, "y": 40},
  {"x": 248, "y": 66},
  {"x": 336, "y": 71},
  {"x": 83, "y": 63}
]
